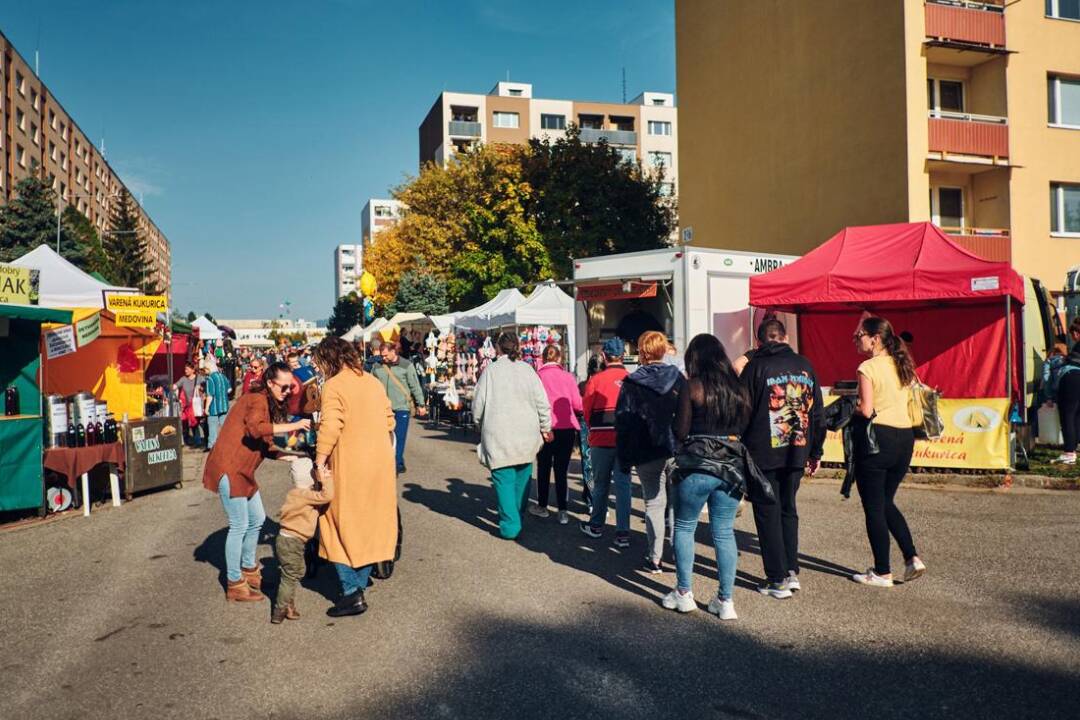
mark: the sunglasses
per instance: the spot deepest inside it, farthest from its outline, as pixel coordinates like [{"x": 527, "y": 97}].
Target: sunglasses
[{"x": 285, "y": 388}]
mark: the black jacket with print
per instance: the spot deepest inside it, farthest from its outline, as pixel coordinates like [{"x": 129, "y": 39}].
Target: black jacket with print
[{"x": 786, "y": 426}]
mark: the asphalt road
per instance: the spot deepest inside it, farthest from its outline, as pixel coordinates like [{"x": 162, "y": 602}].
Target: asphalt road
[{"x": 122, "y": 615}]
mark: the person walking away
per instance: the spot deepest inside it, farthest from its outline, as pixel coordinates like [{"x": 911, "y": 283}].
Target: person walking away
[
  {"x": 299, "y": 518},
  {"x": 785, "y": 435},
  {"x": 595, "y": 365},
  {"x": 712, "y": 468},
  {"x": 643, "y": 434},
  {"x": 402, "y": 386},
  {"x": 515, "y": 420},
  {"x": 185, "y": 389},
  {"x": 884, "y": 391},
  {"x": 246, "y": 438},
  {"x": 599, "y": 402},
  {"x": 1066, "y": 387},
  {"x": 217, "y": 401},
  {"x": 564, "y": 399}
]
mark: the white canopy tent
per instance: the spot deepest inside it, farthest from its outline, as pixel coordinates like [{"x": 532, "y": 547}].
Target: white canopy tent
[
  {"x": 548, "y": 305},
  {"x": 495, "y": 313},
  {"x": 62, "y": 285},
  {"x": 207, "y": 330},
  {"x": 359, "y": 332},
  {"x": 444, "y": 323}
]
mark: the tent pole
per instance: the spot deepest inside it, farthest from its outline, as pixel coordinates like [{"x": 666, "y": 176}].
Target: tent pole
[{"x": 1008, "y": 349}]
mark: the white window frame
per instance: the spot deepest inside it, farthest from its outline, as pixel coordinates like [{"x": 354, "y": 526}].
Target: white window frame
[
  {"x": 1054, "y": 89},
  {"x": 20, "y": 119},
  {"x": 562, "y": 119},
  {"x": 935, "y": 109},
  {"x": 935, "y": 205},
  {"x": 663, "y": 124},
  {"x": 497, "y": 115},
  {"x": 1057, "y": 207},
  {"x": 1053, "y": 11},
  {"x": 627, "y": 155},
  {"x": 667, "y": 161},
  {"x": 20, "y": 83},
  {"x": 20, "y": 155}
]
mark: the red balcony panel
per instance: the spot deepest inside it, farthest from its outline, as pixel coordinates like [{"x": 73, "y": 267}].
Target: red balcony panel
[
  {"x": 966, "y": 25},
  {"x": 968, "y": 137},
  {"x": 995, "y": 248}
]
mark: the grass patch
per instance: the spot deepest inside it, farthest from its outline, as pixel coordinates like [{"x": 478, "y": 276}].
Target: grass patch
[{"x": 1039, "y": 464}]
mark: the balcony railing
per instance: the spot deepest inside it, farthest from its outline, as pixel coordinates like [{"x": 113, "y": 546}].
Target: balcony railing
[
  {"x": 966, "y": 22},
  {"x": 464, "y": 128},
  {"x": 613, "y": 137},
  {"x": 968, "y": 134},
  {"x": 988, "y": 243}
]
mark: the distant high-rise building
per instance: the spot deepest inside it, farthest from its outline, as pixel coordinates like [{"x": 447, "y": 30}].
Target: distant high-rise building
[
  {"x": 376, "y": 216},
  {"x": 40, "y": 138},
  {"x": 348, "y": 265}
]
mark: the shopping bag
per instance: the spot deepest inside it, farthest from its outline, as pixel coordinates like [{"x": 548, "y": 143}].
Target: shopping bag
[{"x": 923, "y": 409}]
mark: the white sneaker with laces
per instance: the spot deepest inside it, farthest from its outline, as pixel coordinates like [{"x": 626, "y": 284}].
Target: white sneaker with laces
[
  {"x": 676, "y": 600},
  {"x": 723, "y": 609},
  {"x": 792, "y": 583},
  {"x": 914, "y": 569},
  {"x": 564, "y": 519},
  {"x": 537, "y": 511},
  {"x": 1064, "y": 459},
  {"x": 872, "y": 579}
]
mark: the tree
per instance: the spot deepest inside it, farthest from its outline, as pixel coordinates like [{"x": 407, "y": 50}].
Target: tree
[
  {"x": 419, "y": 291},
  {"x": 347, "y": 313},
  {"x": 587, "y": 200},
  {"x": 29, "y": 220},
  {"x": 191, "y": 316},
  {"x": 125, "y": 245},
  {"x": 85, "y": 235},
  {"x": 210, "y": 317}
]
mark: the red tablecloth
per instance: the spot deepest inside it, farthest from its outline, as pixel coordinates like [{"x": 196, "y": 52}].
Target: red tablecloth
[{"x": 73, "y": 462}]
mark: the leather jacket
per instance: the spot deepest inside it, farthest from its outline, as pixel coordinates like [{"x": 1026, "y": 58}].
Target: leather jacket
[{"x": 725, "y": 458}]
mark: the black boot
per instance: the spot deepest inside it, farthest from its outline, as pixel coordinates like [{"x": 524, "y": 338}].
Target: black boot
[{"x": 351, "y": 604}]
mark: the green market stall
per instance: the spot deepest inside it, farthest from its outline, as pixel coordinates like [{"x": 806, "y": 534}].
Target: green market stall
[{"x": 21, "y": 435}]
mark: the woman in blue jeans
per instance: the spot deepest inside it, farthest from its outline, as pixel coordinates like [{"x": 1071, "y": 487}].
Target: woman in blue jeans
[{"x": 712, "y": 413}]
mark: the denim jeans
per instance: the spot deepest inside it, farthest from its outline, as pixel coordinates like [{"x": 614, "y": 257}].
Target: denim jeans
[
  {"x": 246, "y": 517},
  {"x": 691, "y": 496},
  {"x": 605, "y": 465},
  {"x": 586, "y": 464},
  {"x": 401, "y": 431},
  {"x": 213, "y": 427},
  {"x": 353, "y": 579}
]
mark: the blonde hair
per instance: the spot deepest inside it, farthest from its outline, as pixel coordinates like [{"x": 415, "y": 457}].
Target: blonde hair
[{"x": 652, "y": 346}]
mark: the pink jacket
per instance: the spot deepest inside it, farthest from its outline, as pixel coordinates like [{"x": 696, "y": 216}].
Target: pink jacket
[{"x": 563, "y": 395}]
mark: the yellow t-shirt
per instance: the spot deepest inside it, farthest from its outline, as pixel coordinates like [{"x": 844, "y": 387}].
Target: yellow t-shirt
[{"x": 890, "y": 397}]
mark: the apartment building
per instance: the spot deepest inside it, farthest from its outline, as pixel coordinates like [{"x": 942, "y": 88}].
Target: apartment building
[
  {"x": 40, "y": 137},
  {"x": 644, "y": 130},
  {"x": 376, "y": 216},
  {"x": 805, "y": 117},
  {"x": 348, "y": 266}
]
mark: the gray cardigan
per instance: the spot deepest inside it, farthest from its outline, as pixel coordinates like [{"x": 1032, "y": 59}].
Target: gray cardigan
[{"x": 512, "y": 408}]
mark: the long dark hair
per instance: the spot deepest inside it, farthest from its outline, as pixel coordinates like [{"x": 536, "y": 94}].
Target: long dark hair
[
  {"x": 897, "y": 348},
  {"x": 279, "y": 411},
  {"x": 334, "y": 354},
  {"x": 708, "y": 363}
]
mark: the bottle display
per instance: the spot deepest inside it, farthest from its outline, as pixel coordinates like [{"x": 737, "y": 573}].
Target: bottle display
[
  {"x": 11, "y": 401},
  {"x": 99, "y": 432},
  {"x": 72, "y": 436},
  {"x": 80, "y": 435}
]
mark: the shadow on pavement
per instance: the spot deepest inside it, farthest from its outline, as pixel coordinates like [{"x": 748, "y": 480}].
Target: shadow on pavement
[{"x": 1062, "y": 615}]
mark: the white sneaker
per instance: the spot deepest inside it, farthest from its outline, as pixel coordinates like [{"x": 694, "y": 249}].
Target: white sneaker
[
  {"x": 792, "y": 583},
  {"x": 872, "y": 578},
  {"x": 723, "y": 609},
  {"x": 675, "y": 600},
  {"x": 1064, "y": 459},
  {"x": 540, "y": 512},
  {"x": 564, "y": 519},
  {"x": 777, "y": 590},
  {"x": 914, "y": 569}
]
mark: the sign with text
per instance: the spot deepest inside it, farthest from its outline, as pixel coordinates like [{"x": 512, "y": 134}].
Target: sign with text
[
  {"x": 136, "y": 310},
  {"x": 88, "y": 329},
  {"x": 153, "y": 455},
  {"x": 60, "y": 342},
  {"x": 18, "y": 285},
  {"x": 620, "y": 291}
]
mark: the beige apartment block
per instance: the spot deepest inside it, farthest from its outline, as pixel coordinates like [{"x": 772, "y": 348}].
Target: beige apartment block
[
  {"x": 40, "y": 137},
  {"x": 806, "y": 117},
  {"x": 645, "y": 130}
]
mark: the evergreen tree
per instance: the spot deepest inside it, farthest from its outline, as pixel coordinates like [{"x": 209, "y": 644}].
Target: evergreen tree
[
  {"x": 85, "y": 236},
  {"x": 191, "y": 316},
  {"x": 347, "y": 312},
  {"x": 29, "y": 220},
  {"x": 124, "y": 244},
  {"x": 419, "y": 291}
]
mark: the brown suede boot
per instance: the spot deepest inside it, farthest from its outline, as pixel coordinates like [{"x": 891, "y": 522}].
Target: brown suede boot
[
  {"x": 253, "y": 576},
  {"x": 291, "y": 612},
  {"x": 278, "y": 615},
  {"x": 240, "y": 591}
]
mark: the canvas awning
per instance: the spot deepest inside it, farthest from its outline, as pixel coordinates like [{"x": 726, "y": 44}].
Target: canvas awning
[
  {"x": 495, "y": 313},
  {"x": 61, "y": 284}
]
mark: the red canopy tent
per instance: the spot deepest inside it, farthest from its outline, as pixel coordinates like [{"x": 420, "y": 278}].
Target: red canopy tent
[{"x": 958, "y": 306}]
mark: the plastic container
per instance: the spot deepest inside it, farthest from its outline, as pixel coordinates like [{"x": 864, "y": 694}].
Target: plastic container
[{"x": 1049, "y": 426}]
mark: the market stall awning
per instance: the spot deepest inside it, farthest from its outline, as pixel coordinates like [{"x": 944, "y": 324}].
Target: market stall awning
[
  {"x": 546, "y": 305},
  {"x": 35, "y": 313},
  {"x": 497, "y": 312},
  {"x": 900, "y": 263},
  {"x": 207, "y": 330},
  {"x": 61, "y": 284}
]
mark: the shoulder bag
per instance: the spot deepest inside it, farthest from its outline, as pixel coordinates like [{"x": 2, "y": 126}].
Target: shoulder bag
[
  {"x": 923, "y": 410},
  {"x": 400, "y": 386}
]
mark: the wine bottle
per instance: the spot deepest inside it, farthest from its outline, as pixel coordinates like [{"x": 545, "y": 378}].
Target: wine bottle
[
  {"x": 91, "y": 435},
  {"x": 99, "y": 432},
  {"x": 72, "y": 436},
  {"x": 80, "y": 435}
]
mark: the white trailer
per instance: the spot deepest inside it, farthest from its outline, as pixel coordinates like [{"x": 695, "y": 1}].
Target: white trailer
[{"x": 685, "y": 290}]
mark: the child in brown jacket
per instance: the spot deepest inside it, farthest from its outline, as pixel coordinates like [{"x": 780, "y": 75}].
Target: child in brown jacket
[{"x": 299, "y": 518}]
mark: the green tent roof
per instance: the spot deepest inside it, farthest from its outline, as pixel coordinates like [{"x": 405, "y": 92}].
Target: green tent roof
[{"x": 35, "y": 313}]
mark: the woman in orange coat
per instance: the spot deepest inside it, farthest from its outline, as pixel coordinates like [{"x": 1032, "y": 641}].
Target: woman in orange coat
[{"x": 360, "y": 527}]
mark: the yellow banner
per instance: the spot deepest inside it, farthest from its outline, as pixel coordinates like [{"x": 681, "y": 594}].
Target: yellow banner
[
  {"x": 136, "y": 310},
  {"x": 18, "y": 285},
  {"x": 976, "y": 436}
]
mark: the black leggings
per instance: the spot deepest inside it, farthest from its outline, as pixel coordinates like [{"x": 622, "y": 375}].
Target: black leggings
[
  {"x": 1068, "y": 403},
  {"x": 878, "y": 477},
  {"x": 778, "y": 524},
  {"x": 554, "y": 454}
]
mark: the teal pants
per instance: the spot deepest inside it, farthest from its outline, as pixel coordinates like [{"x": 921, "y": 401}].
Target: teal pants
[{"x": 512, "y": 493}]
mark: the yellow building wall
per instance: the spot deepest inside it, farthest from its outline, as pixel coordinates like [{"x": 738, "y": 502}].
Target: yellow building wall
[
  {"x": 1040, "y": 154},
  {"x": 793, "y": 120}
]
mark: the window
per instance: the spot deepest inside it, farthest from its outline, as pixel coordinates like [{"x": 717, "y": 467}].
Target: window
[
  {"x": 944, "y": 95},
  {"x": 659, "y": 127},
  {"x": 52, "y": 119},
  {"x": 20, "y": 119},
  {"x": 1063, "y": 9},
  {"x": 592, "y": 122},
  {"x": 1065, "y": 209},
  {"x": 1064, "y": 100},
  {"x": 63, "y": 190},
  {"x": 52, "y": 151},
  {"x": 552, "y": 122},
  {"x": 658, "y": 159},
  {"x": 34, "y": 135},
  {"x": 35, "y": 100},
  {"x": 658, "y": 101},
  {"x": 63, "y": 131},
  {"x": 623, "y": 123},
  {"x": 20, "y": 83},
  {"x": 63, "y": 161},
  {"x": 947, "y": 207},
  {"x": 515, "y": 92},
  {"x": 667, "y": 189},
  {"x": 20, "y": 155},
  {"x": 626, "y": 155},
  {"x": 504, "y": 119},
  {"x": 383, "y": 211}
]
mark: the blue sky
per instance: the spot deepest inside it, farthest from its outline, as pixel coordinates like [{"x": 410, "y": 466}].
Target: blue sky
[{"x": 255, "y": 131}]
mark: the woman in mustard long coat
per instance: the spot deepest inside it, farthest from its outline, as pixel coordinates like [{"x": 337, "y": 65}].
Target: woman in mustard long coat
[{"x": 359, "y": 529}]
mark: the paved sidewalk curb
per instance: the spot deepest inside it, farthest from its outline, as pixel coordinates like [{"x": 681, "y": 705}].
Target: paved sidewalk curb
[{"x": 994, "y": 481}]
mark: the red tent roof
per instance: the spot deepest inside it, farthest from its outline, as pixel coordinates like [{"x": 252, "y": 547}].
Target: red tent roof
[{"x": 901, "y": 263}]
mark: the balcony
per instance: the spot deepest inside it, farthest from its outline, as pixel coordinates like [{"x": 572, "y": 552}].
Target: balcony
[
  {"x": 612, "y": 137},
  {"x": 463, "y": 128},
  {"x": 968, "y": 135},
  {"x": 988, "y": 243},
  {"x": 965, "y": 23}
]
